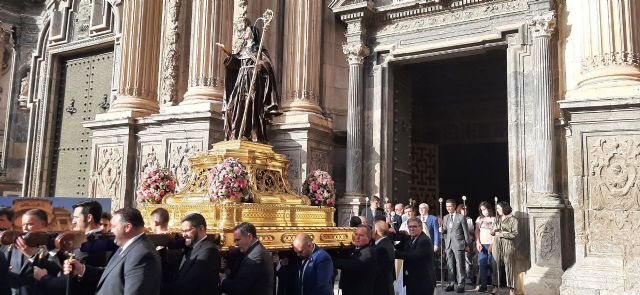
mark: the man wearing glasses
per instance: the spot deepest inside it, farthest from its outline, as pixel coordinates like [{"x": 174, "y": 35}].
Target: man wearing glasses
[
  {"x": 200, "y": 266},
  {"x": 417, "y": 252}
]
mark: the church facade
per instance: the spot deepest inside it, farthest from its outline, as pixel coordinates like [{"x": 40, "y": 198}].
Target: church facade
[{"x": 535, "y": 102}]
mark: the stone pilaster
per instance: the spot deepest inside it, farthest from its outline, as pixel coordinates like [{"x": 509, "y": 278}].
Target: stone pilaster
[
  {"x": 210, "y": 24},
  {"x": 544, "y": 207},
  {"x": 173, "y": 52},
  {"x": 301, "y": 70},
  {"x": 610, "y": 59},
  {"x": 355, "y": 52},
  {"x": 140, "y": 41}
]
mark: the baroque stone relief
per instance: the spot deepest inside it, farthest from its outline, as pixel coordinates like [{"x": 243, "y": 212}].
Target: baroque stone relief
[
  {"x": 81, "y": 20},
  {"x": 108, "y": 174},
  {"x": 547, "y": 241},
  {"x": 613, "y": 173},
  {"x": 149, "y": 158},
  {"x": 319, "y": 160},
  {"x": 179, "y": 154},
  {"x": 170, "y": 53}
]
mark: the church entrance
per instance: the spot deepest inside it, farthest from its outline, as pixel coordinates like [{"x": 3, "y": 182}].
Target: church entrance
[
  {"x": 451, "y": 123},
  {"x": 83, "y": 91}
]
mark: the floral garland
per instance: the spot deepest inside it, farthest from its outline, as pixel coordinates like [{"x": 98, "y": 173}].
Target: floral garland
[
  {"x": 155, "y": 184},
  {"x": 229, "y": 180},
  {"x": 319, "y": 187}
]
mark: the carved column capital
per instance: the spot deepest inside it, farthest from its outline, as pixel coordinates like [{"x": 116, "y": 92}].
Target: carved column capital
[
  {"x": 355, "y": 52},
  {"x": 543, "y": 25}
]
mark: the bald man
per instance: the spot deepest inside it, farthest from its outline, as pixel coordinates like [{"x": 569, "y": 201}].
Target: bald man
[{"x": 315, "y": 276}]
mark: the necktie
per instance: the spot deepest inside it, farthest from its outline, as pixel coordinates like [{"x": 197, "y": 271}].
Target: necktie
[{"x": 185, "y": 257}]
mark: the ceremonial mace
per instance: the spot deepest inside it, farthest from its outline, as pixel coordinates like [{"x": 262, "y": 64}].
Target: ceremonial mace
[
  {"x": 266, "y": 21},
  {"x": 366, "y": 209},
  {"x": 496, "y": 225},
  {"x": 441, "y": 247}
]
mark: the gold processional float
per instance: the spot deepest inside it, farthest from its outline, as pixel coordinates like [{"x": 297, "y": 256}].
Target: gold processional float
[{"x": 278, "y": 213}]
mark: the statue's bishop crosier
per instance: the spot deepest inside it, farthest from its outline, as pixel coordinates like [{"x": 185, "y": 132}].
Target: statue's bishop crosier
[{"x": 251, "y": 98}]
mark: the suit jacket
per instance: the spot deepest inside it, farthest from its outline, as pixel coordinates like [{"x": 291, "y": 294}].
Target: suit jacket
[
  {"x": 21, "y": 278},
  {"x": 254, "y": 274},
  {"x": 315, "y": 276},
  {"x": 366, "y": 212},
  {"x": 358, "y": 271},
  {"x": 456, "y": 232},
  {"x": 385, "y": 254},
  {"x": 199, "y": 271},
  {"x": 4, "y": 270},
  {"x": 432, "y": 226},
  {"x": 419, "y": 274},
  {"x": 136, "y": 270}
]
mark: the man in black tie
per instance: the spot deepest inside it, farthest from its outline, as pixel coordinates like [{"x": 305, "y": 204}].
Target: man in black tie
[
  {"x": 254, "y": 275},
  {"x": 200, "y": 266},
  {"x": 360, "y": 269},
  {"x": 417, "y": 253},
  {"x": 386, "y": 260},
  {"x": 134, "y": 268}
]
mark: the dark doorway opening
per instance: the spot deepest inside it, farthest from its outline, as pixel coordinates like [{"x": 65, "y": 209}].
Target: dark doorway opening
[{"x": 458, "y": 136}]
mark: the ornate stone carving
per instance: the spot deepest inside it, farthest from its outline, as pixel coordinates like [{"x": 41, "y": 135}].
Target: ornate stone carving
[
  {"x": 108, "y": 174},
  {"x": 81, "y": 20},
  {"x": 149, "y": 159},
  {"x": 547, "y": 240},
  {"x": 613, "y": 173},
  {"x": 170, "y": 53},
  {"x": 610, "y": 59},
  {"x": 355, "y": 52},
  {"x": 179, "y": 161},
  {"x": 543, "y": 25},
  {"x": 449, "y": 18},
  {"x": 319, "y": 161}
]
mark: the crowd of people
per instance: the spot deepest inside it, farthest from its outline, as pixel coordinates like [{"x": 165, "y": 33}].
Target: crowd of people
[{"x": 394, "y": 251}]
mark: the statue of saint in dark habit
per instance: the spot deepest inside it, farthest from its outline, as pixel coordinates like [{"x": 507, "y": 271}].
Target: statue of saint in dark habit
[{"x": 257, "y": 104}]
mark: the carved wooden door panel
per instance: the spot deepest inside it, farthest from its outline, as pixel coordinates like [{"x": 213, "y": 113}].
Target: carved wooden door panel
[
  {"x": 84, "y": 87},
  {"x": 401, "y": 154}
]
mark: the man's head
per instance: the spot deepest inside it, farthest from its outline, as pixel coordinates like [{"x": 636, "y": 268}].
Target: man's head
[
  {"x": 362, "y": 236},
  {"x": 409, "y": 211},
  {"x": 380, "y": 229},
  {"x": 354, "y": 221},
  {"x": 375, "y": 202},
  {"x": 126, "y": 224},
  {"x": 303, "y": 245},
  {"x": 388, "y": 207},
  {"x": 34, "y": 220},
  {"x": 86, "y": 216},
  {"x": 194, "y": 228},
  {"x": 415, "y": 226},
  {"x": 160, "y": 220},
  {"x": 399, "y": 209},
  {"x": 461, "y": 209},
  {"x": 424, "y": 209},
  {"x": 451, "y": 206},
  {"x": 105, "y": 222},
  {"x": 6, "y": 218},
  {"x": 244, "y": 235}
]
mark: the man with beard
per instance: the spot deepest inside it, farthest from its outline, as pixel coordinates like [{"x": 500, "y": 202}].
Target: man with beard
[{"x": 200, "y": 266}]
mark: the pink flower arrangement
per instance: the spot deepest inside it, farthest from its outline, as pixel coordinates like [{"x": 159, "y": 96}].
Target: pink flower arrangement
[
  {"x": 319, "y": 187},
  {"x": 229, "y": 180},
  {"x": 155, "y": 185}
]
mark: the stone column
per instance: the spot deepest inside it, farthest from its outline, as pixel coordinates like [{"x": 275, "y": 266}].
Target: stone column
[
  {"x": 140, "y": 41},
  {"x": 355, "y": 52},
  {"x": 210, "y": 24},
  {"x": 542, "y": 28},
  {"x": 301, "y": 71},
  {"x": 544, "y": 207}
]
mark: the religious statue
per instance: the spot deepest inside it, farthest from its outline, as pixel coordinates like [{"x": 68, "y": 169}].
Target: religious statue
[{"x": 251, "y": 98}]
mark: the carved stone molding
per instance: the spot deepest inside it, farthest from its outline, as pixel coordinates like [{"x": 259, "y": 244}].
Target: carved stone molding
[
  {"x": 624, "y": 58},
  {"x": 108, "y": 174},
  {"x": 613, "y": 173},
  {"x": 319, "y": 160},
  {"x": 543, "y": 25},
  {"x": 179, "y": 154},
  {"x": 547, "y": 241},
  {"x": 355, "y": 52},
  {"x": 170, "y": 52},
  {"x": 149, "y": 159}
]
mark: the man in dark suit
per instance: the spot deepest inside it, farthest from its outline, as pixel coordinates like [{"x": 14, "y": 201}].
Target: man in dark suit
[
  {"x": 254, "y": 274},
  {"x": 315, "y": 274},
  {"x": 6, "y": 223},
  {"x": 360, "y": 269},
  {"x": 4, "y": 281},
  {"x": 457, "y": 240},
  {"x": 22, "y": 258},
  {"x": 200, "y": 266},
  {"x": 386, "y": 260},
  {"x": 373, "y": 212},
  {"x": 417, "y": 253},
  {"x": 135, "y": 266},
  {"x": 86, "y": 218}
]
